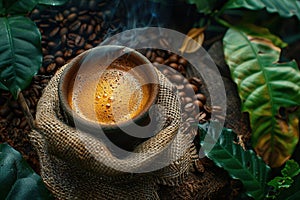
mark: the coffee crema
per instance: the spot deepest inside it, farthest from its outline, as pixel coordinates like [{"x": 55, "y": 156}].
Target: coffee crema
[{"x": 117, "y": 96}]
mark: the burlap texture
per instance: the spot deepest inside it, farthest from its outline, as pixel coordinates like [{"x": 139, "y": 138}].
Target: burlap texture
[{"x": 77, "y": 166}]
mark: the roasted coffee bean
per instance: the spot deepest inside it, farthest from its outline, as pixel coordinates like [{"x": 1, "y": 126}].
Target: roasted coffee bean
[
  {"x": 45, "y": 51},
  {"x": 196, "y": 81},
  {"x": 72, "y": 36},
  {"x": 174, "y": 65},
  {"x": 36, "y": 91},
  {"x": 71, "y": 43},
  {"x": 59, "y": 54},
  {"x": 59, "y": 61},
  {"x": 28, "y": 102},
  {"x": 90, "y": 29},
  {"x": 177, "y": 78},
  {"x": 97, "y": 28},
  {"x": 198, "y": 103},
  {"x": 149, "y": 54},
  {"x": 189, "y": 107},
  {"x": 44, "y": 25},
  {"x": 188, "y": 100},
  {"x": 201, "y": 116},
  {"x": 83, "y": 12},
  {"x": 23, "y": 123},
  {"x": 42, "y": 70},
  {"x": 75, "y": 25},
  {"x": 183, "y": 62},
  {"x": 80, "y": 42},
  {"x": 173, "y": 58},
  {"x": 207, "y": 109},
  {"x": 92, "y": 37},
  {"x": 83, "y": 29},
  {"x": 180, "y": 87},
  {"x": 54, "y": 32},
  {"x": 63, "y": 39},
  {"x": 63, "y": 31},
  {"x": 68, "y": 53},
  {"x": 52, "y": 44},
  {"x": 88, "y": 46},
  {"x": 159, "y": 60},
  {"x": 51, "y": 67},
  {"x": 181, "y": 94},
  {"x": 73, "y": 9},
  {"x": 79, "y": 51},
  {"x": 201, "y": 97},
  {"x": 72, "y": 17},
  {"x": 191, "y": 86},
  {"x": 59, "y": 17}
]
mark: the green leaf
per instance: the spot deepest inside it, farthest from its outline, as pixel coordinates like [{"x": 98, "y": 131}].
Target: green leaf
[
  {"x": 14, "y": 7},
  {"x": 267, "y": 90},
  {"x": 20, "y": 53},
  {"x": 291, "y": 169},
  {"x": 243, "y": 165},
  {"x": 285, "y": 8},
  {"x": 17, "y": 179},
  {"x": 52, "y": 2}
]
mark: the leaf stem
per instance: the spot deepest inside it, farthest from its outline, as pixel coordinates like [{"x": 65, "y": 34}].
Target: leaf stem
[{"x": 26, "y": 111}]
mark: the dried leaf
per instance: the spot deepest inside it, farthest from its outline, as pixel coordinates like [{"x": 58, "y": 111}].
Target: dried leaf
[{"x": 193, "y": 41}]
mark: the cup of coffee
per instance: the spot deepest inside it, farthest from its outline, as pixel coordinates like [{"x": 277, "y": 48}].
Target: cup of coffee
[{"x": 110, "y": 90}]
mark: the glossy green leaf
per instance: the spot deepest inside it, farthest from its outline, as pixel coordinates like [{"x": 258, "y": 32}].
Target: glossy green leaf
[
  {"x": 268, "y": 90},
  {"x": 17, "y": 179},
  {"x": 291, "y": 169},
  {"x": 13, "y": 7},
  {"x": 243, "y": 165},
  {"x": 285, "y": 8},
  {"x": 52, "y": 2},
  {"x": 20, "y": 53}
]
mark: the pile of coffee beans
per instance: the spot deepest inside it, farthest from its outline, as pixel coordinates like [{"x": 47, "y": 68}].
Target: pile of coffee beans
[{"x": 190, "y": 89}]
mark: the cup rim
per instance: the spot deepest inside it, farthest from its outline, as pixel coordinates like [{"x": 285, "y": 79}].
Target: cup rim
[{"x": 75, "y": 119}]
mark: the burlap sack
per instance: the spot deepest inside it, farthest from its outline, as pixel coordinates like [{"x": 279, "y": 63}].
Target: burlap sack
[{"x": 77, "y": 166}]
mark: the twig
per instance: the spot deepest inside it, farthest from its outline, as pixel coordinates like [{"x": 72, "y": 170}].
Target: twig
[{"x": 26, "y": 110}]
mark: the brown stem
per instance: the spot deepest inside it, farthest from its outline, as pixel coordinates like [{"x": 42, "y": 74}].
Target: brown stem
[{"x": 26, "y": 110}]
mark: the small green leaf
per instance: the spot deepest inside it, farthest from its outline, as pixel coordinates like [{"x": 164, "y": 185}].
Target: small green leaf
[
  {"x": 291, "y": 169},
  {"x": 52, "y": 2},
  {"x": 267, "y": 90},
  {"x": 20, "y": 53},
  {"x": 285, "y": 8},
  {"x": 17, "y": 179},
  {"x": 281, "y": 182},
  {"x": 243, "y": 165}
]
